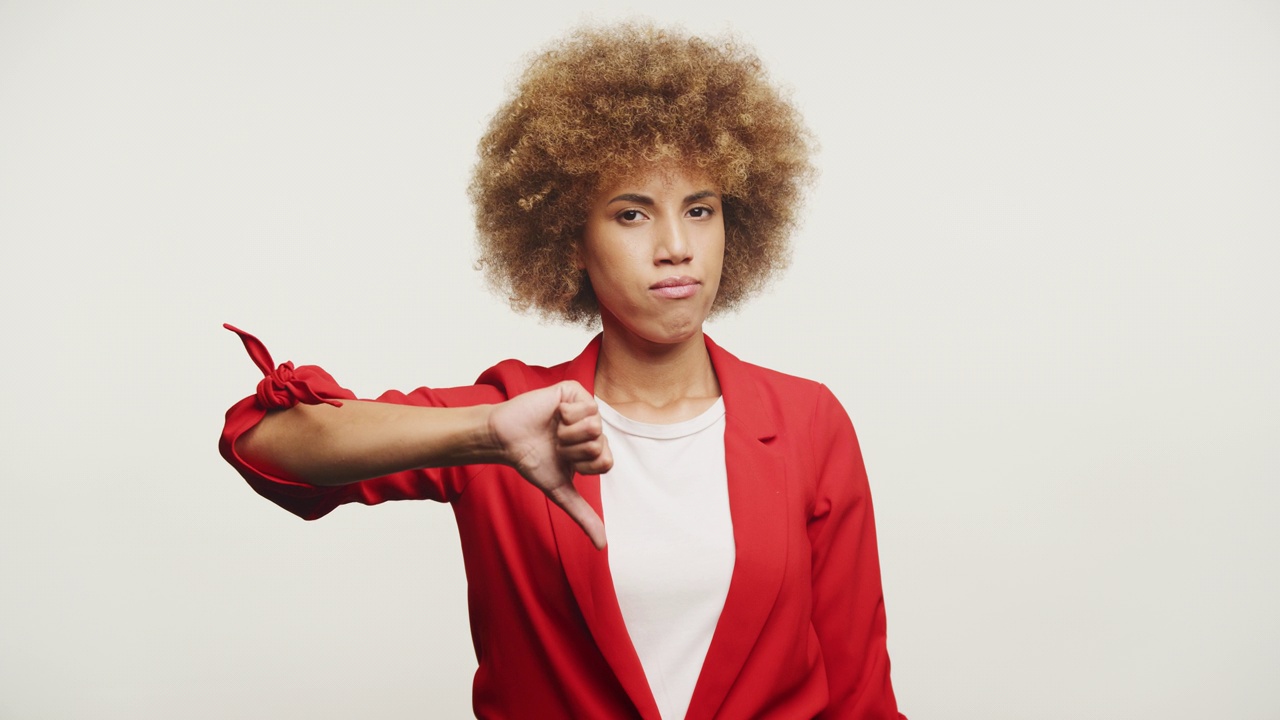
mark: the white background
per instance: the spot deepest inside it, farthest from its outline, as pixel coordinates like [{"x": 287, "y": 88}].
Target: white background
[{"x": 1039, "y": 270}]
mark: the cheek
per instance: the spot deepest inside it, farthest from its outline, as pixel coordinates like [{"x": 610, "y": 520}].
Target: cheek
[
  {"x": 616, "y": 258},
  {"x": 608, "y": 272},
  {"x": 715, "y": 253},
  {"x": 600, "y": 250}
]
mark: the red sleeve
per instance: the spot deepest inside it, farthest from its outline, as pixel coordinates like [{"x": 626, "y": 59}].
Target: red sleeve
[
  {"x": 285, "y": 386},
  {"x": 848, "y": 603}
]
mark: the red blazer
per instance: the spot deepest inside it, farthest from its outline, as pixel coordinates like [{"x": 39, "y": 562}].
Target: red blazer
[{"x": 802, "y": 632}]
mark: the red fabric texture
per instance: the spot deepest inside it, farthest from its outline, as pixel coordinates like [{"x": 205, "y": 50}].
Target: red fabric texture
[{"x": 802, "y": 633}]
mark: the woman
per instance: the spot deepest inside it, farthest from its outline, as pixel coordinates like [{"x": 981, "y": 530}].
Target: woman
[{"x": 648, "y": 179}]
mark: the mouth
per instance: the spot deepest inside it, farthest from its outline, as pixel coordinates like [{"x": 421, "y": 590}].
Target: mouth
[{"x": 676, "y": 287}]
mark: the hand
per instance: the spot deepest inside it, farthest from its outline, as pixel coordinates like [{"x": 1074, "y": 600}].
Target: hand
[{"x": 549, "y": 434}]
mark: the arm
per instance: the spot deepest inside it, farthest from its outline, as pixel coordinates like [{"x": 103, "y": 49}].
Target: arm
[
  {"x": 848, "y": 602},
  {"x": 325, "y": 445},
  {"x": 297, "y": 439}
]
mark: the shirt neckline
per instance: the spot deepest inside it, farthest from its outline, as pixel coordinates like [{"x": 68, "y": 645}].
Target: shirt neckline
[{"x": 662, "y": 431}]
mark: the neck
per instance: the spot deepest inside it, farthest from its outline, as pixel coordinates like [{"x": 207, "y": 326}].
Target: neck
[{"x": 632, "y": 370}]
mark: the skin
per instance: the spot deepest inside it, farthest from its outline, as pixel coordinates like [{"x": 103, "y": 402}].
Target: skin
[
  {"x": 642, "y": 232},
  {"x": 661, "y": 225}
]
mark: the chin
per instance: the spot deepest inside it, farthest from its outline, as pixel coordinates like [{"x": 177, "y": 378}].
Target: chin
[
  {"x": 668, "y": 328},
  {"x": 681, "y": 331}
]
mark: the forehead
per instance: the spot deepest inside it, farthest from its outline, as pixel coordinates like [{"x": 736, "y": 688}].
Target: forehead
[{"x": 654, "y": 178}]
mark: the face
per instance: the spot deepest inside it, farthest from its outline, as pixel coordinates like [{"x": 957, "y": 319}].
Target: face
[{"x": 653, "y": 247}]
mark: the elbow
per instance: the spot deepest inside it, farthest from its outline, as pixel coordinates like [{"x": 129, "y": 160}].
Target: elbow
[{"x": 288, "y": 444}]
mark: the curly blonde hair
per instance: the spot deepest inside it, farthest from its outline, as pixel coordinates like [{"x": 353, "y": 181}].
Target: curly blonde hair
[{"x": 604, "y": 100}]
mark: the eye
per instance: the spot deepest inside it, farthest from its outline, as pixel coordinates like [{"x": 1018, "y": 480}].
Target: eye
[
  {"x": 630, "y": 216},
  {"x": 700, "y": 212}
]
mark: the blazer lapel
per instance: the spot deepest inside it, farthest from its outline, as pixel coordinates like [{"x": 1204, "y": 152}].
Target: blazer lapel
[
  {"x": 757, "y": 498},
  {"x": 587, "y": 570},
  {"x": 757, "y": 494}
]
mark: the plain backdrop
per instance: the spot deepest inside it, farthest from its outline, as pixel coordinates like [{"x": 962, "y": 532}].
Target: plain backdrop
[{"x": 1039, "y": 269}]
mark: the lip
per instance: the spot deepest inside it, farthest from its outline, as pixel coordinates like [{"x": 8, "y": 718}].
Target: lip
[{"x": 676, "y": 287}]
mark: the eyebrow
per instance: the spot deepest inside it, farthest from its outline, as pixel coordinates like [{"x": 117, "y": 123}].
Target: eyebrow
[{"x": 646, "y": 200}]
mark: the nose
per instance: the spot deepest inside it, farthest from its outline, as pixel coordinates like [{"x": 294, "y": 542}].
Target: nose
[{"x": 673, "y": 246}]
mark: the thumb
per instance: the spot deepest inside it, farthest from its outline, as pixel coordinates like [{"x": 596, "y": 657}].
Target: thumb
[
  {"x": 571, "y": 391},
  {"x": 581, "y": 512}
]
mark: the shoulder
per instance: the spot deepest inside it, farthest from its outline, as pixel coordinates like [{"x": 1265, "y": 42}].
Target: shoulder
[
  {"x": 513, "y": 377},
  {"x": 802, "y": 400},
  {"x": 790, "y": 397},
  {"x": 770, "y": 378}
]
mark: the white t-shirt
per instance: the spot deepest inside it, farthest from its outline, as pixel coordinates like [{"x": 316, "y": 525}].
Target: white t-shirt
[{"x": 671, "y": 549}]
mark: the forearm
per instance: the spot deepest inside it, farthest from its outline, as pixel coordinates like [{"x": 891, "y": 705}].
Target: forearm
[{"x": 326, "y": 445}]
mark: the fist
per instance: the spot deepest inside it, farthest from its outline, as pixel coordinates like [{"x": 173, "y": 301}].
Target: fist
[{"x": 549, "y": 434}]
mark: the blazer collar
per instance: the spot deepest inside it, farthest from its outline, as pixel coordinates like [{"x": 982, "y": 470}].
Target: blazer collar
[{"x": 757, "y": 488}]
